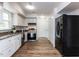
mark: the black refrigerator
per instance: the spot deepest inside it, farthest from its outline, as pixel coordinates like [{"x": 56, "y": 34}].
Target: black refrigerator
[{"x": 67, "y": 40}]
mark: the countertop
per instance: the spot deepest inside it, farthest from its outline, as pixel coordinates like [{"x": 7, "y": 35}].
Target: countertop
[{"x": 9, "y": 34}]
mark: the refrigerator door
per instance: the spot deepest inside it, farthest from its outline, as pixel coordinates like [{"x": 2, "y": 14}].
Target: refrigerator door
[{"x": 71, "y": 35}]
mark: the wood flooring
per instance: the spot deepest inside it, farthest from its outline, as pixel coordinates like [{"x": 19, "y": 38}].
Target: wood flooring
[{"x": 39, "y": 48}]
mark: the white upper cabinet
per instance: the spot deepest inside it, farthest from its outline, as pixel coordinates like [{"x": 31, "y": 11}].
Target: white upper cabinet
[
  {"x": 18, "y": 15},
  {"x": 31, "y": 19},
  {"x": 15, "y": 19},
  {"x": 18, "y": 20}
]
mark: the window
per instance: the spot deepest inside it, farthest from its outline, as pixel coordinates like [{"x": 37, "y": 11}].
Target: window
[{"x": 5, "y": 22}]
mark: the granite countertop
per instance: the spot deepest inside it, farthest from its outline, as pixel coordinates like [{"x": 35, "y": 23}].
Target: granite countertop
[{"x": 5, "y": 35}]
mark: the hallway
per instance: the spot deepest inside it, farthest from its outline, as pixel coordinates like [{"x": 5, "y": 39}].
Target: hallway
[{"x": 40, "y": 48}]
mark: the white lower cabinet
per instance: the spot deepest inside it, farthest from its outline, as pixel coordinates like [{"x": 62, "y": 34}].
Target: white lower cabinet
[
  {"x": 17, "y": 42},
  {"x": 10, "y": 45},
  {"x": 5, "y": 53},
  {"x": 4, "y": 43}
]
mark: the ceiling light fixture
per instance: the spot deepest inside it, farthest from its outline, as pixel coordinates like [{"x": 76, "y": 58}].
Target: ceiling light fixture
[{"x": 30, "y": 6}]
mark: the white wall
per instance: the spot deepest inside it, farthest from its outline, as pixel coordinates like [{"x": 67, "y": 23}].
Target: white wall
[
  {"x": 52, "y": 31},
  {"x": 42, "y": 27}
]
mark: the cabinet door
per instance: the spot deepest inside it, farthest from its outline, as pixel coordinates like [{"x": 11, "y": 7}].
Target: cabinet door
[
  {"x": 5, "y": 48},
  {"x": 25, "y": 36},
  {"x": 12, "y": 46},
  {"x": 4, "y": 44},
  {"x": 6, "y": 53},
  {"x": 15, "y": 19},
  {"x": 9, "y": 46},
  {"x": 17, "y": 43},
  {"x": 18, "y": 20},
  {"x": 17, "y": 40}
]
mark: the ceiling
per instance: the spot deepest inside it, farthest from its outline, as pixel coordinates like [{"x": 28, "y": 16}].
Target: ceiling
[
  {"x": 41, "y": 8},
  {"x": 71, "y": 7}
]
